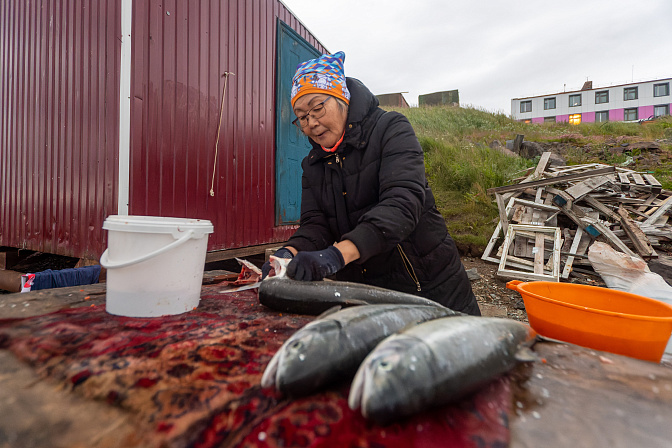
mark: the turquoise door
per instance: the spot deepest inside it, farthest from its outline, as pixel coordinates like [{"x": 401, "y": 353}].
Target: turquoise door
[{"x": 291, "y": 145}]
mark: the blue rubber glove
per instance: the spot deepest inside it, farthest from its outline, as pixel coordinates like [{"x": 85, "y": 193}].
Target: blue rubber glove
[
  {"x": 308, "y": 266},
  {"x": 280, "y": 253}
]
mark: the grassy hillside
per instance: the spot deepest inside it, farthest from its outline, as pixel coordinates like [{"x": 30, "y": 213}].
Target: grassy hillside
[{"x": 461, "y": 166}]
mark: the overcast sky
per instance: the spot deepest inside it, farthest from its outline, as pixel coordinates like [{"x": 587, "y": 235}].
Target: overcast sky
[{"x": 493, "y": 50}]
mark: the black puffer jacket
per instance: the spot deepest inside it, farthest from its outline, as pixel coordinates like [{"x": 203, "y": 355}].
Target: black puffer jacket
[{"x": 373, "y": 192}]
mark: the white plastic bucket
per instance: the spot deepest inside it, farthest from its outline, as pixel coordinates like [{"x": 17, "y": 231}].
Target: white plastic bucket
[{"x": 154, "y": 264}]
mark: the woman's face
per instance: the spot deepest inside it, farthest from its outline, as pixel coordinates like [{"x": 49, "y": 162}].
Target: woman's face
[{"x": 328, "y": 129}]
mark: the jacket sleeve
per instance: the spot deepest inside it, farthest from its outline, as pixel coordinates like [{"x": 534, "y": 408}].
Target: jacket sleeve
[
  {"x": 401, "y": 187},
  {"x": 313, "y": 232}
]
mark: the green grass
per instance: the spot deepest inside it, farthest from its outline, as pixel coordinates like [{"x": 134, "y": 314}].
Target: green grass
[{"x": 461, "y": 166}]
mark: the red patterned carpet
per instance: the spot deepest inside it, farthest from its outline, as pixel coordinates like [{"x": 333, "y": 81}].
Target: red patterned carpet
[{"x": 193, "y": 380}]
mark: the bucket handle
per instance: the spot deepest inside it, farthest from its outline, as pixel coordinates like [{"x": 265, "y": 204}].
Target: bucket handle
[
  {"x": 513, "y": 284},
  {"x": 104, "y": 262}
]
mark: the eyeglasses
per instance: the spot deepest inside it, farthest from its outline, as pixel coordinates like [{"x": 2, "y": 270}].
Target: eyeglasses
[{"x": 317, "y": 111}]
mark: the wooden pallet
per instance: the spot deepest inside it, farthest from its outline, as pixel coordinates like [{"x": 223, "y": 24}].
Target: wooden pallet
[
  {"x": 539, "y": 235},
  {"x": 637, "y": 181}
]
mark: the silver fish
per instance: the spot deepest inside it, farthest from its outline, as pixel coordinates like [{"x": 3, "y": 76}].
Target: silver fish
[
  {"x": 282, "y": 293},
  {"x": 294, "y": 296},
  {"x": 435, "y": 363},
  {"x": 330, "y": 348}
]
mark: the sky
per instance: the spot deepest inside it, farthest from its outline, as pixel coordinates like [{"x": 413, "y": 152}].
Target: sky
[{"x": 492, "y": 51}]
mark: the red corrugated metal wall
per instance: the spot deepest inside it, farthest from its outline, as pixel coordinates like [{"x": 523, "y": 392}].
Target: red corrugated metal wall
[
  {"x": 59, "y": 122},
  {"x": 59, "y": 97},
  {"x": 181, "y": 51}
]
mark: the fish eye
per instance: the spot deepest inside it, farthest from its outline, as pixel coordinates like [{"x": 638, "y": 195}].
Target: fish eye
[
  {"x": 296, "y": 345},
  {"x": 385, "y": 365}
]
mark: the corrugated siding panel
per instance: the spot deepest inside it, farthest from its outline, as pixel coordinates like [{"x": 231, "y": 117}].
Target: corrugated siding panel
[
  {"x": 59, "y": 96},
  {"x": 180, "y": 52}
]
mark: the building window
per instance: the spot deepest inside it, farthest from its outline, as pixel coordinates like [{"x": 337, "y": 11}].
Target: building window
[
  {"x": 574, "y": 100},
  {"x": 629, "y": 93},
  {"x": 659, "y": 111},
  {"x": 601, "y": 117},
  {"x": 575, "y": 119},
  {"x": 630, "y": 114},
  {"x": 525, "y": 106},
  {"x": 549, "y": 103},
  {"x": 602, "y": 97},
  {"x": 549, "y": 119},
  {"x": 661, "y": 89}
]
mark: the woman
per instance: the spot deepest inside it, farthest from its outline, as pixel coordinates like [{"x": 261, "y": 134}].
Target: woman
[{"x": 367, "y": 212}]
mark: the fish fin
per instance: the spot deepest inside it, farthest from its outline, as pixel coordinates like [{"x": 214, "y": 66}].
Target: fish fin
[
  {"x": 541, "y": 338},
  {"x": 331, "y": 310},
  {"x": 525, "y": 354}
]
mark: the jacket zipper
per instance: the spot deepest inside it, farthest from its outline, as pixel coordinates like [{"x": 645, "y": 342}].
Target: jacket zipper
[{"x": 409, "y": 268}]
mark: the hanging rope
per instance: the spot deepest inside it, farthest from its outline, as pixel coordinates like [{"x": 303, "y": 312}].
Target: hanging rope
[{"x": 219, "y": 128}]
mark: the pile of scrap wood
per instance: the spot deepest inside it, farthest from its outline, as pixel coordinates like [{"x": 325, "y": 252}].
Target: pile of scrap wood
[{"x": 550, "y": 218}]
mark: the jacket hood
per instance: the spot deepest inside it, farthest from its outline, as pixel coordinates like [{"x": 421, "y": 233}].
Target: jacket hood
[
  {"x": 362, "y": 101},
  {"x": 363, "y": 112}
]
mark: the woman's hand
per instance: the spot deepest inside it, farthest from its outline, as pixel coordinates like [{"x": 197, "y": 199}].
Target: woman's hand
[
  {"x": 283, "y": 252},
  {"x": 315, "y": 265}
]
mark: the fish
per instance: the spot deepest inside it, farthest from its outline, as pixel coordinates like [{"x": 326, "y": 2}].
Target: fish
[
  {"x": 284, "y": 294},
  {"x": 316, "y": 297},
  {"x": 330, "y": 348},
  {"x": 437, "y": 363}
]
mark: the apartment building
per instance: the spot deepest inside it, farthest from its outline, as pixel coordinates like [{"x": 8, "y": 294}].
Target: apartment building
[{"x": 626, "y": 102}]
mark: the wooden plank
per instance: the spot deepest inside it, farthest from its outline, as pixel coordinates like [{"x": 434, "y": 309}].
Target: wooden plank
[
  {"x": 575, "y": 250},
  {"x": 638, "y": 180},
  {"x": 495, "y": 236},
  {"x": 651, "y": 180},
  {"x": 612, "y": 239},
  {"x": 546, "y": 207},
  {"x": 656, "y": 187},
  {"x": 581, "y": 219},
  {"x": 637, "y": 237},
  {"x": 648, "y": 202},
  {"x": 502, "y": 212},
  {"x": 600, "y": 207},
  {"x": 662, "y": 209},
  {"x": 538, "y": 173},
  {"x": 539, "y": 254},
  {"x": 44, "y": 301},
  {"x": 544, "y": 160},
  {"x": 522, "y": 247},
  {"x": 242, "y": 252},
  {"x": 625, "y": 182},
  {"x": 583, "y": 188},
  {"x": 556, "y": 180},
  {"x": 580, "y": 398}
]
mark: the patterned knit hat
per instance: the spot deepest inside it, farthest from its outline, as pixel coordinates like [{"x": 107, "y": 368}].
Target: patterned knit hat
[{"x": 321, "y": 75}]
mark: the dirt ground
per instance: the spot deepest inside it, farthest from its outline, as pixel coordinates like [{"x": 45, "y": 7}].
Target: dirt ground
[{"x": 492, "y": 292}]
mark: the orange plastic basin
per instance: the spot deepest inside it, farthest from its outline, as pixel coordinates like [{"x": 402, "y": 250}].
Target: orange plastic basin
[{"x": 598, "y": 318}]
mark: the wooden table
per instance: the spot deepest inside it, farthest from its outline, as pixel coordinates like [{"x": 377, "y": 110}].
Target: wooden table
[{"x": 574, "y": 397}]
